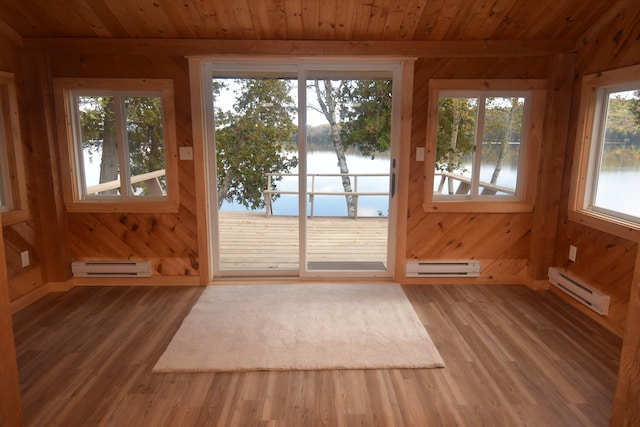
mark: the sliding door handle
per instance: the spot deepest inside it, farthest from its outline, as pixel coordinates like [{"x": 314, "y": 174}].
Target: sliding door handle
[{"x": 392, "y": 189}]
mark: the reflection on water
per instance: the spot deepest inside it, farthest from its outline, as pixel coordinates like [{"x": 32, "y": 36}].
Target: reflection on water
[
  {"x": 618, "y": 189},
  {"x": 326, "y": 162}
]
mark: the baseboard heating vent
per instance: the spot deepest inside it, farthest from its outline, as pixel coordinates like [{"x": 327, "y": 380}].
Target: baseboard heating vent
[
  {"x": 443, "y": 269},
  {"x": 582, "y": 292},
  {"x": 111, "y": 268}
]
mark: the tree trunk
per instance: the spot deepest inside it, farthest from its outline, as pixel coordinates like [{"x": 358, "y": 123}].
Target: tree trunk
[
  {"x": 109, "y": 161},
  {"x": 224, "y": 188},
  {"x": 455, "y": 126},
  {"x": 503, "y": 148},
  {"x": 328, "y": 107}
]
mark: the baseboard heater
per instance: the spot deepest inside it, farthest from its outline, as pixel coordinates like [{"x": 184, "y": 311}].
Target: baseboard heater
[
  {"x": 443, "y": 269},
  {"x": 579, "y": 290},
  {"x": 111, "y": 268}
]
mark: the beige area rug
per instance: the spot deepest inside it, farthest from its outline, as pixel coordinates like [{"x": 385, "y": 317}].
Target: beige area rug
[{"x": 300, "y": 327}]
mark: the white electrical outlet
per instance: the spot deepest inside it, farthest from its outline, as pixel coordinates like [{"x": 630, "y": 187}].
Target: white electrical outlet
[
  {"x": 573, "y": 252},
  {"x": 420, "y": 154},
  {"x": 25, "y": 258}
]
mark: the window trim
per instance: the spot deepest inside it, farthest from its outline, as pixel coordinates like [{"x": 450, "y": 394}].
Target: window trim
[
  {"x": 18, "y": 211},
  {"x": 532, "y": 132},
  {"x": 593, "y": 87},
  {"x": 64, "y": 88}
]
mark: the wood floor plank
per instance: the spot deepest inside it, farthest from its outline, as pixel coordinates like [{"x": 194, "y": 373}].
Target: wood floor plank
[
  {"x": 255, "y": 240},
  {"x": 513, "y": 357}
]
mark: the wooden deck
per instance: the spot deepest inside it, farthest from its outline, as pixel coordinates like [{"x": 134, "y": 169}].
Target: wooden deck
[{"x": 255, "y": 241}]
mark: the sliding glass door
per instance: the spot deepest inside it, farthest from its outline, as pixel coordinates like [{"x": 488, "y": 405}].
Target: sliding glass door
[
  {"x": 348, "y": 154},
  {"x": 301, "y": 167},
  {"x": 255, "y": 122}
]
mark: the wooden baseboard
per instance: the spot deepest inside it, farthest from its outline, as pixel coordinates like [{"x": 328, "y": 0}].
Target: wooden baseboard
[
  {"x": 38, "y": 293},
  {"x": 604, "y": 321},
  {"x": 137, "y": 281},
  {"x": 482, "y": 280},
  {"x": 539, "y": 285},
  {"x": 50, "y": 287}
]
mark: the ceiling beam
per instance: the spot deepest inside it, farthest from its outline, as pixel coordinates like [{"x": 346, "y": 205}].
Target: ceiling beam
[{"x": 211, "y": 47}]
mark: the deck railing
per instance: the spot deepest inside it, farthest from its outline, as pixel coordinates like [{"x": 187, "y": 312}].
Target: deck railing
[
  {"x": 151, "y": 179},
  {"x": 464, "y": 185},
  {"x": 268, "y": 192}
]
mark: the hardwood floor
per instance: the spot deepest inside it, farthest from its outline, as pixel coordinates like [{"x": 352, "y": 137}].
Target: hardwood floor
[{"x": 513, "y": 357}]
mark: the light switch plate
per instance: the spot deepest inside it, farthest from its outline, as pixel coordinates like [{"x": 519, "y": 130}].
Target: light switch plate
[
  {"x": 25, "y": 258},
  {"x": 186, "y": 153},
  {"x": 420, "y": 154}
]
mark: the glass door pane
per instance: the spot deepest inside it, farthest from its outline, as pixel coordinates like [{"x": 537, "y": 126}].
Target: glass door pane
[
  {"x": 256, "y": 175},
  {"x": 348, "y": 138}
]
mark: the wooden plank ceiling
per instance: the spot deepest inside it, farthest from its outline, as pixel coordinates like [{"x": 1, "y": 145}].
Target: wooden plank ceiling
[{"x": 386, "y": 20}]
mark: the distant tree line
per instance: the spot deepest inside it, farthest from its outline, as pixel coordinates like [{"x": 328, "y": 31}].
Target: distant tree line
[{"x": 623, "y": 121}]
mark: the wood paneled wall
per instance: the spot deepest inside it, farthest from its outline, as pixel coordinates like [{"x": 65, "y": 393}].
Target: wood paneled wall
[
  {"x": 501, "y": 241},
  {"x": 168, "y": 240},
  {"x": 10, "y": 403},
  {"x": 609, "y": 262},
  {"x": 603, "y": 260},
  {"x": 25, "y": 235}
]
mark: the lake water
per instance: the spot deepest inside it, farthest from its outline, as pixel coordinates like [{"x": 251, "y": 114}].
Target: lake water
[
  {"x": 623, "y": 197},
  {"x": 326, "y": 162},
  {"x": 619, "y": 187}
]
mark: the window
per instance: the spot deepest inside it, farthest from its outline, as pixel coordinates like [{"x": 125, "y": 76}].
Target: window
[
  {"x": 606, "y": 190},
  {"x": 483, "y": 147},
  {"x": 120, "y": 144},
  {"x": 6, "y": 199},
  {"x": 13, "y": 202}
]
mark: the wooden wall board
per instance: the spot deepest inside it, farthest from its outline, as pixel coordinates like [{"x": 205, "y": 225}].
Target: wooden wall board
[
  {"x": 615, "y": 45},
  {"x": 25, "y": 234},
  {"x": 604, "y": 260},
  {"x": 10, "y": 401},
  {"x": 501, "y": 240},
  {"x": 626, "y": 411},
  {"x": 169, "y": 240},
  {"x": 552, "y": 165},
  {"x": 47, "y": 211},
  {"x": 28, "y": 281}
]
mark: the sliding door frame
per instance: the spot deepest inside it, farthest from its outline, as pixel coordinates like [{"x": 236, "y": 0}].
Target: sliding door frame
[{"x": 202, "y": 70}]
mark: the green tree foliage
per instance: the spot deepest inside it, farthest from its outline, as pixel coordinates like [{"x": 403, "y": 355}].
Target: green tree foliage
[
  {"x": 144, "y": 127},
  {"x": 254, "y": 140},
  {"x": 145, "y": 136},
  {"x": 98, "y": 130},
  {"x": 456, "y": 130},
  {"x": 319, "y": 138},
  {"x": 634, "y": 107},
  {"x": 502, "y": 125},
  {"x": 328, "y": 96},
  {"x": 503, "y": 119},
  {"x": 623, "y": 119},
  {"x": 359, "y": 117},
  {"x": 366, "y": 115}
]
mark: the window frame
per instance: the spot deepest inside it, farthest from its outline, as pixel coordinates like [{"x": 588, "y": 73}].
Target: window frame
[
  {"x": 65, "y": 90},
  {"x": 13, "y": 179},
  {"x": 594, "y": 94},
  {"x": 523, "y": 200}
]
